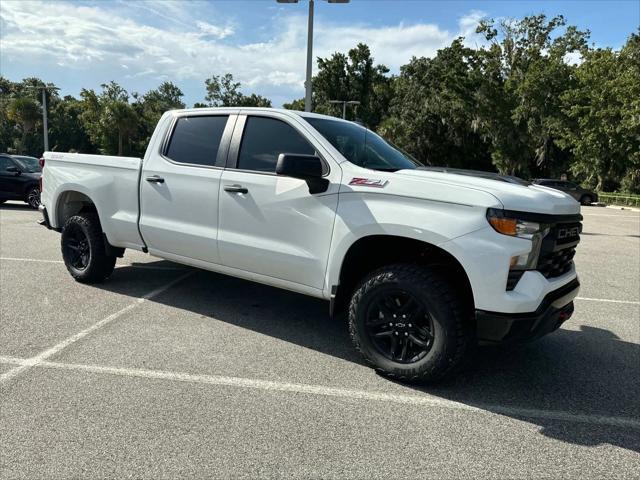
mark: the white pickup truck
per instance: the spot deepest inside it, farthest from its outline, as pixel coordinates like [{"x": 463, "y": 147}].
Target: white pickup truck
[{"x": 427, "y": 263}]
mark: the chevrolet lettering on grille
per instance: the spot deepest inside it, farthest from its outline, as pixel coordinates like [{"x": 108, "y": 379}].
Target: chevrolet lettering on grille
[{"x": 568, "y": 232}]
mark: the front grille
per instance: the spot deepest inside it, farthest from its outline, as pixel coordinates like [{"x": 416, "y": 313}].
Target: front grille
[{"x": 558, "y": 249}]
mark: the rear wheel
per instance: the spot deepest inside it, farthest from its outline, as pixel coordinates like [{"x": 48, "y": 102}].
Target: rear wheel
[
  {"x": 407, "y": 324},
  {"x": 586, "y": 200},
  {"x": 33, "y": 197},
  {"x": 83, "y": 249}
]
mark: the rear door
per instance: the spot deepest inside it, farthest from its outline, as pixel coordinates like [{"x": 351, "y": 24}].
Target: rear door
[
  {"x": 179, "y": 187},
  {"x": 271, "y": 225}
]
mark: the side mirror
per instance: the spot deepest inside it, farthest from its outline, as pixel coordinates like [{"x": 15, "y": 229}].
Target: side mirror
[
  {"x": 14, "y": 170},
  {"x": 305, "y": 167}
]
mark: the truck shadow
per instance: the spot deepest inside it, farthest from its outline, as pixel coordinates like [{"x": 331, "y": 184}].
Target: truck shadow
[{"x": 591, "y": 371}]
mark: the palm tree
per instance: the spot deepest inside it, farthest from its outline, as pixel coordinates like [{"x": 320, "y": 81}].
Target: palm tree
[
  {"x": 25, "y": 112},
  {"x": 122, "y": 117}
]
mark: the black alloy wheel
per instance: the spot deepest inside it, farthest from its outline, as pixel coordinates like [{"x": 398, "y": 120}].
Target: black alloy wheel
[
  {"x": 410, "y": 323},
  {"x": 83, "y": 249},
  {"x": 76, "y": 248},
  {"x": 400, "y": 326}
]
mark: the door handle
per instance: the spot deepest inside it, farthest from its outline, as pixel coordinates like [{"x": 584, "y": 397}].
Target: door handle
[
  {"x": 235, "y": 189},
  {"x": 155, "y": 179}
]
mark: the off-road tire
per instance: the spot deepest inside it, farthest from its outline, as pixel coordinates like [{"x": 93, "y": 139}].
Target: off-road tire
[
  {"x": 99, "y": 265},
  {"x": 453, "y": 338}
]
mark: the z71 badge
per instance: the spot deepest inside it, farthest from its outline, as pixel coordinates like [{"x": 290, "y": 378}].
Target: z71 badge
[{"x": 368, "y": 182}]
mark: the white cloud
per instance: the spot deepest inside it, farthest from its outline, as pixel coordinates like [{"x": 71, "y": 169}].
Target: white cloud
[
  {"x": 186, "y": 47},
  {"x": 218, "y": 32}
]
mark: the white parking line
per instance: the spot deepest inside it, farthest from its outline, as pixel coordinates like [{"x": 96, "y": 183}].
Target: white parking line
[
  {"x": 608, "y": 300},
  {"x": 623, "y": 216},
  {"x": 31, "y": 362},
  {"x": 423, "y": 400},
  {"x": 38, "y": 260}
]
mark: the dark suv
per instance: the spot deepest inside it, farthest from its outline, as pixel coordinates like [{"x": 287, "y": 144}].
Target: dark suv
[
  {"x": 584, "y": 196},
  {"x": 20, "y": 179}
]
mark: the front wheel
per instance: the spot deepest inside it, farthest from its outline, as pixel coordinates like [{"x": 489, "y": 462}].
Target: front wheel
[
  {"x": 33, "y": 197},
  {"x": 408, "y": 324},
  {"x": 83, "y": 249}
]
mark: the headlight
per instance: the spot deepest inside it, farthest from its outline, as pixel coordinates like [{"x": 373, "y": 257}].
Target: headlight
[
  {"x": 512, "y": 226},
  {"x": 516, "y": 227}
]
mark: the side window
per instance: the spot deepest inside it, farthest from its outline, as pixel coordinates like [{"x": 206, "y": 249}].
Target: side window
[
  {"x": 196, "y": 140},
  {"x": 266, "y": 138},
  {"x": 4, "y": 163}
]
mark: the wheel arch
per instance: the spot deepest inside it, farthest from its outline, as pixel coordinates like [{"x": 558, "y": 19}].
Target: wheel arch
[
  {"x": 374, "y": 251},
  {"x": 72, "y": 202}
]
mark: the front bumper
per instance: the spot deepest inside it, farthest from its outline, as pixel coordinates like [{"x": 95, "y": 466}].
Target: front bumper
[{"x": 554, "y": 310}]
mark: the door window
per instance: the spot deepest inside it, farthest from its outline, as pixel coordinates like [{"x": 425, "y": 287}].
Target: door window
[
  {"x": 5, "y": 162},
  {"x": 196, "y": 140},
  {"x": 265, "y": 139}
]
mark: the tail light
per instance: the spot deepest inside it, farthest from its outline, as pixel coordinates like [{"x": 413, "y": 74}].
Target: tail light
[
  {"x": 41, "y": 162},
  {"x": 40, "y": 181}
]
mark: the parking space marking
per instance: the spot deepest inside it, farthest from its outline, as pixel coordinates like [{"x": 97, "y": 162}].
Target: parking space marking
[
  {"x": 608, "y": 300},
  {"x": 34, "y": 361},
  {"x": 623, "y": 216},
  {"x": 38, "y": 260},
  {"x": 424, "y": 400}
]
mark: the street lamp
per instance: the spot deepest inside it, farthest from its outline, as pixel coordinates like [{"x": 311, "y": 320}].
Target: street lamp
[
  {"x": 307, "y": 83},
  {"x": 45, "y": 127},
  {"x": 344, "y": 105}
]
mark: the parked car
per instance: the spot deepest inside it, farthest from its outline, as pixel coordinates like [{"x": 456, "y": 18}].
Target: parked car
[
  {"x": 425, "y": 263},
  {"x": 20, "y": 179},
  {"x": 584, "y": 196}
]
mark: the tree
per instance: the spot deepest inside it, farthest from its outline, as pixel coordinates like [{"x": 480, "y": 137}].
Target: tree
[
  {"x": 109, "y": 119},
  {"x": 433, "y": 113},
  {"x": 25, "y": 112},
  {"x": 353, "y": 77},
  {"x": 151, "y": 106},
  {"x": 297, "y": 104},
  {"x": 121, "y": 117},
  {"x": 66, "y": 131},
  {"x": 525, "y": 75},
  {"x": 223, "y": 91},
  {"x": 603, "y": 131}
]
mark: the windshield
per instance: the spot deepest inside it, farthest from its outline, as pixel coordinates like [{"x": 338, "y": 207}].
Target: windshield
[
  {"x": 363, "y": 147},
  {"x": 28, "y": 164}
]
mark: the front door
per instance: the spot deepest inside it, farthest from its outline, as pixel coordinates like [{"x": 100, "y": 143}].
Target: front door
[{"x": 271, "y": 225}]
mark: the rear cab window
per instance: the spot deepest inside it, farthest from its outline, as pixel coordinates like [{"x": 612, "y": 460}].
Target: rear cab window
[{"x": 196, "y": 140}]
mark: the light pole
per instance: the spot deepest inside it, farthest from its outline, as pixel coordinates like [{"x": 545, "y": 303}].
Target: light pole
[
  {"x": 344, "y": 105},
  {"x": 307, "y": 83},
  {"x": 45, "y": 126}
]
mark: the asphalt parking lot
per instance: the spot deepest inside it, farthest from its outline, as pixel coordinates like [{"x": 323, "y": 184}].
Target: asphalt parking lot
[{"x": 170, "y": 372}]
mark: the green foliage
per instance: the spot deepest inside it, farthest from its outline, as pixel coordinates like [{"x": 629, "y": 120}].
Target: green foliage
[
  {"x": 603, "y": 130},
  {"x": 433, "y": 111},
  {"x": 524, "y": 76},
  {"x": 352, "y": 77},
  {"x": 223, "y": 91},
  {"x": 25, "y": 113}
]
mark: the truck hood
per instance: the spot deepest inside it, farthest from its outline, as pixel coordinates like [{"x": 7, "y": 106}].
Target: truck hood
[{"x": 529, "y": 198}]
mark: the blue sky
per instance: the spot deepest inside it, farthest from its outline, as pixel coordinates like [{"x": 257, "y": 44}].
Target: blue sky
[{"x": 141, "y": 43}]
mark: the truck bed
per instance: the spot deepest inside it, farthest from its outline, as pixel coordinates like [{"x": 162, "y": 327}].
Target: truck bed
[{"x": 109, "y": 182}]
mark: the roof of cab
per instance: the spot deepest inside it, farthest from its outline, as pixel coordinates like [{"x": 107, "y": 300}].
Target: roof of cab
[{"x": 258, "y": 109}]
